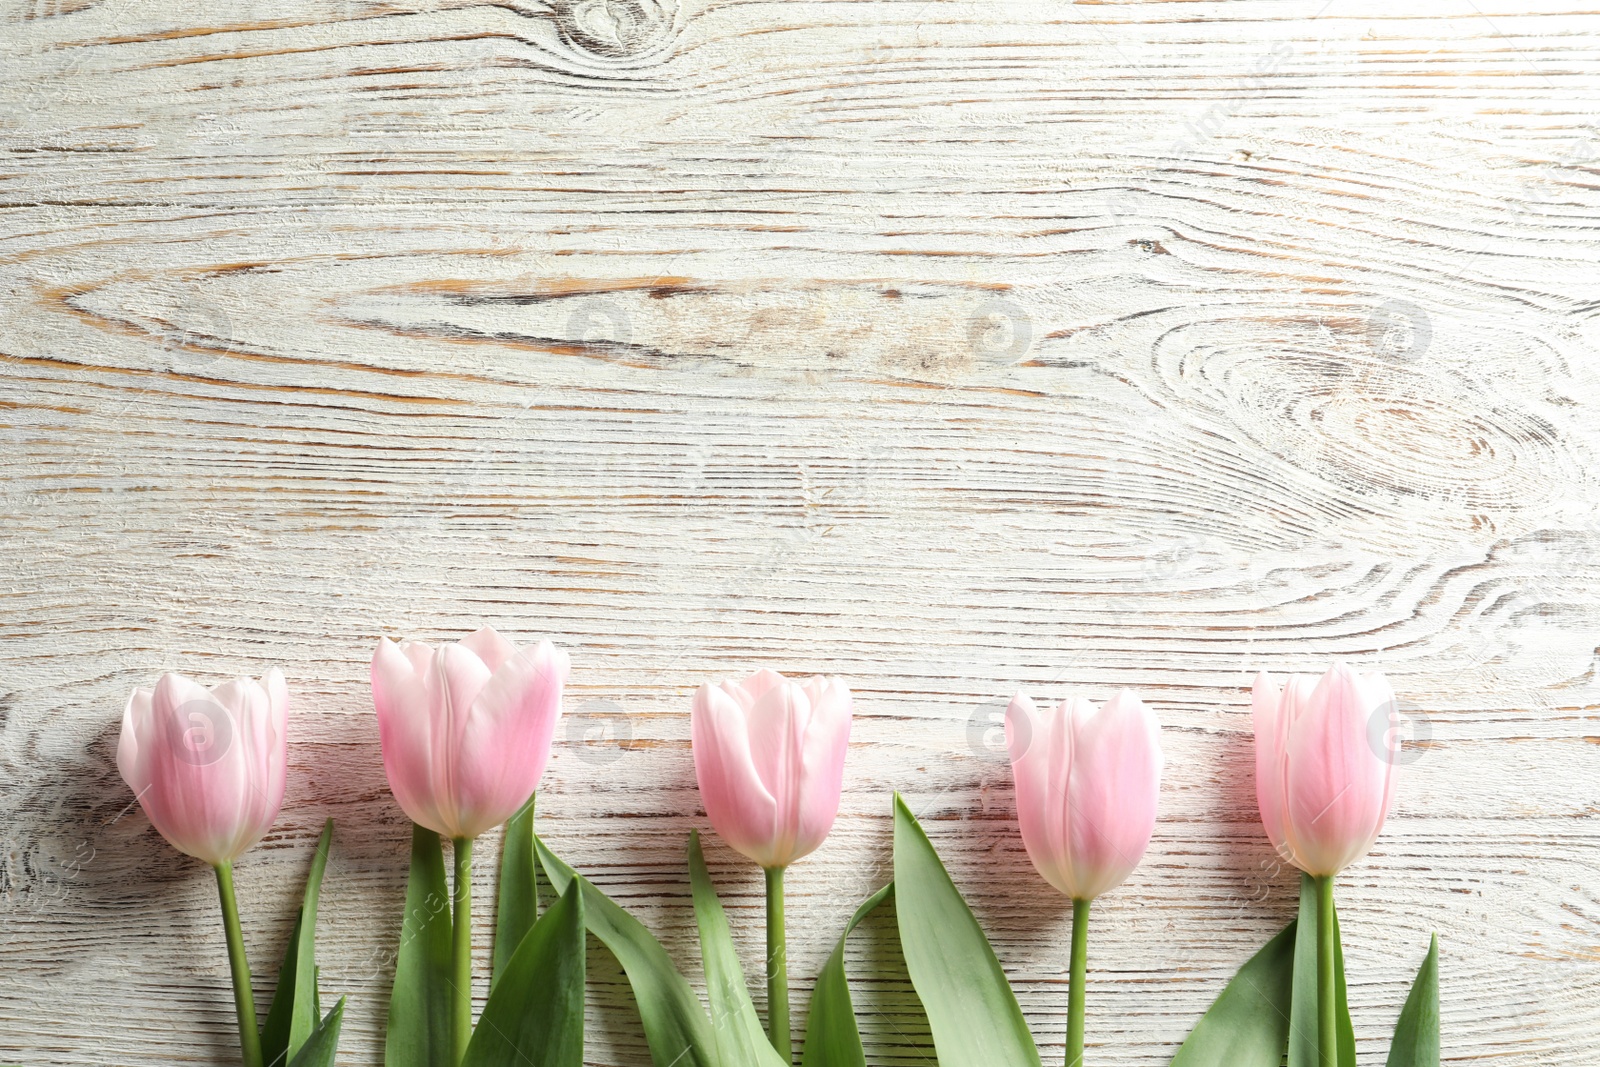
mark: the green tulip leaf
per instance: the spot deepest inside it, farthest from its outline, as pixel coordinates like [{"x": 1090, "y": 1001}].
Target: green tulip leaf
[
  {"x": 1248, "y": 1024},
  {"x": 419, "y": 1006},
  {"x": 294, "y": 1013},
  {"x": 736, "y": 1027},
  {"x": 517, "y": 908},
  {"x": 675, "y": 1023},
  {"x": 972, "y": 1012},
  {"x": 832, "y": 1038},
  {"x": 534, "y": 1017},
  {"x": 1303, "y": 1023},
  {"x": 323, "y": 1042},
  {"x": 1416, "y": 1035}
]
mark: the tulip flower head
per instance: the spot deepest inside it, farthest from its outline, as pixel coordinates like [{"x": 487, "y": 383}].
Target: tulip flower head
[
  {"x": 208, "y": 765},
  {"x": 1323, "y": 786},
  {"x": 769, "y": 755},
  {"x": 466, "y": 728},
  {"x": 1087, "y": 783}
]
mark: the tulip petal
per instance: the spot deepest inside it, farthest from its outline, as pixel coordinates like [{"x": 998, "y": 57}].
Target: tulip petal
[
  {"x": 825, "y": 744},
  {"x": 759, "y": 684},
  {"x": 1030, "y": 738},
  {"x": 1338, "y": 784},
  {"x": 132, "y": 760},
  {"x": 1050, "y": 846},
  {"x": 505, "y": 740},
  {"x": 458, "y": 677},
  {"x": 1088, "y": 782},
  {"x": 405, "y": 730},
  {"x": 205, "y": 765},
  {"x": 489, "y": 646},
  {"x": 737, "y": 801},
  {"x": 777, "y": 725},
  {"x": 1271, "y": 733},
  {"x": 1115, "y": 785},
  {"x": 421, "y": 656},
  {"x": 769, "y": 755}
]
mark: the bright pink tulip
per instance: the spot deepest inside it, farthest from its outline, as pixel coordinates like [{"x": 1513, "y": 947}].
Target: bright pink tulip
[
  {"x": 1324, "y": 780},
  {"x": 466, "y": 728},
  {"x": 1087, "y": 783},
  {"x": 769, "y": 754},
  {"x": 208, "y": 765}
]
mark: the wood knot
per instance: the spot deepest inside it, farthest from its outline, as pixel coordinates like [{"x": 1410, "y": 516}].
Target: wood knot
[{"x": 614, "y": 29}]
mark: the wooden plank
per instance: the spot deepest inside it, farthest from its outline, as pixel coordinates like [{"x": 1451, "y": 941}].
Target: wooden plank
[{"x": 954, "y": 348}]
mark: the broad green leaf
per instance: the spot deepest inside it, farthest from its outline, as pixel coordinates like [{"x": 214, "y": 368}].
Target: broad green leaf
[
  {"x": 675, "y": 1024},
  {"x": 1248, "y": 1024},
  {"x": 534, "y": 1017},
  {"x": 321, "y": 1047},
  {"x": 1303, "y": 1024},
  {"x": 294, "y": 1012},
  {"x": 832, "y": 1038},
  {"x": 973, "y": 1014},
  {"x": 518, "y": 905},
  {"x": 735, "y": 1025},
  {"x": 1416, "y": 1035},
  {"x": 419, "y": 1006}
]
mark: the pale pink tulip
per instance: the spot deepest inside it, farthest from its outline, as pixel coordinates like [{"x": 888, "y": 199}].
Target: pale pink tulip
[
  {"x": 1324, "y": 777},
  {"x": 208, "y": 765},
  {"x": 769, "y": 754},
  {"x": 466, "y": 728},
  {"x": 1087, "y": 784}
]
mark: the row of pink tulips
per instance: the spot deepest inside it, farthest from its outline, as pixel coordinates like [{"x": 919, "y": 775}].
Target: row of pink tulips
[{"x": 466, "y": 730}]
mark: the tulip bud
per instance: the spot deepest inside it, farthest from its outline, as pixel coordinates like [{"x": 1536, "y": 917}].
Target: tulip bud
[
  {"x": 769, "y": 754},
  {"x": 208, "y": 765},
  {"x": 1087, "y": 784},
  {"x": 1324, "y": 789},
  {"x": 466, "y": 728}
]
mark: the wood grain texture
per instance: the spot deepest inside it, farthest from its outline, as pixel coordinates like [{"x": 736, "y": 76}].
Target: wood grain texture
[{"x": 951, "y": 347}]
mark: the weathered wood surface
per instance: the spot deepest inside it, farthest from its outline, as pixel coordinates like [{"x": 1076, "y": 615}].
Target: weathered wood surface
[{"x": 950, "y": 347}]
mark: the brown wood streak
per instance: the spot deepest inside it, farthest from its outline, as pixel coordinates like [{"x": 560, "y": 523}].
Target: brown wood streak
[{"x": 955, "y": 349}]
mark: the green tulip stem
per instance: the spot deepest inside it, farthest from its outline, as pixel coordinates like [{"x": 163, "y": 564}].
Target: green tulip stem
[
  {"x": 461, "y": 950},
  {"x": 777, "y": 969},
  {"x": 1080, "y": 970},
  {"x": 1327, "y": 1036},
  {"x": 244, "y": 1001}
]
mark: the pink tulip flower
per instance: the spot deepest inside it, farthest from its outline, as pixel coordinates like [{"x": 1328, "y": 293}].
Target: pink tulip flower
[
  {"x": 466, "y": 728},
  {"x": 769, "y": 754},
  {"x": 1087, "y": 783},
  {"x": 1324, "y": 780},
  {"x": 208, "y": 765}
]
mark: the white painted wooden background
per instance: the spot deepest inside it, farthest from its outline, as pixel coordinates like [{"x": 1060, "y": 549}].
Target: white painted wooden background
[{"x": 952, "y": 347}]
